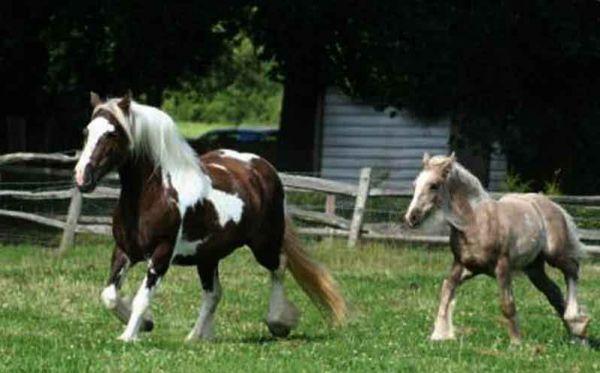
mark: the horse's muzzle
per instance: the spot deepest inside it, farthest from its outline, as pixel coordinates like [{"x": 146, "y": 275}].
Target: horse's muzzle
[{"x": 89, "y": 182}]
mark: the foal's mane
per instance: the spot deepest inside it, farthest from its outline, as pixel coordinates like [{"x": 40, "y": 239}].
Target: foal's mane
[{"x": 460, "y": 177}]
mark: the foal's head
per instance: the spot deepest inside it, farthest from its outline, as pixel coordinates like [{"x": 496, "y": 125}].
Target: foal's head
[
  {"x": 106, "y": 141},
  {"x": 428, "y": 187}
]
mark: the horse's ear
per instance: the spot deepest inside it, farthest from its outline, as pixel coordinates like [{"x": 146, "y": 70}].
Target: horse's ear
[
  {"x": 125, "y": 102},
  {"x": 426, "y": 158},
  {"x": 95, "y": 99},
  {"x": 452, "y": 157}
]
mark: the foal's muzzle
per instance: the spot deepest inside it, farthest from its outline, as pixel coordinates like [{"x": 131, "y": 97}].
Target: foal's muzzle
[{"x": 413, "y": 218}]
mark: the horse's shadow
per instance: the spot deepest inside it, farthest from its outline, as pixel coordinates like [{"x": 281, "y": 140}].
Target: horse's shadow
[
  {"x": 267, "y": 339},
  {"x": 594, "y": 343}
]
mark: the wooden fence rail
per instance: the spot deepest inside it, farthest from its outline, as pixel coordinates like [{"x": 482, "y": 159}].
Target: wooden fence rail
[{"x": 327, "y": 223}]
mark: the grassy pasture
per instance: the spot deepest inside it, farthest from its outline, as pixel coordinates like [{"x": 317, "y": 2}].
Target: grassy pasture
[{"x": 51, "y": 318}]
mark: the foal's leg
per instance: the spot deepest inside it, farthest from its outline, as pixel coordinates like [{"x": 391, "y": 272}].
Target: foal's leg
[
  {"x": 537, "y": 274},
  {"x": 507, "y": 302},
  {"x": 576, "y": 320},
  {"x": 283, "y": 315},
  {"x": 157, "y": 267},
  {"x": 443, "y": 328},
  {"x": 211, "y": 294},
  {"x": 110, "y": 296}
]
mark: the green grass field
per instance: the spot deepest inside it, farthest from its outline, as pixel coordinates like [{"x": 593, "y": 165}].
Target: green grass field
[{"x": 51, "y": 318}]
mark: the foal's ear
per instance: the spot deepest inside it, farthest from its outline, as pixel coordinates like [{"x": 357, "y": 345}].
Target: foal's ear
[
  {"x": 447, "y": 165},
  {"x": 426, "y": 158},
  {"x": 95, "y": 99},
  {"x": 125, "y": 102}
]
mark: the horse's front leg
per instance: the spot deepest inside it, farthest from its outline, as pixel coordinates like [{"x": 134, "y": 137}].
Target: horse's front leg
[
  {"x": 121, "y": 308},
  {"x": 443, "y": 328},
  {"x": 507, "y": 301},
  {"x": 157, "y": 267}
]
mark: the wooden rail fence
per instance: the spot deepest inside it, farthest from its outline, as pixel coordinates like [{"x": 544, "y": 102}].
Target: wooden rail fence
[{"x": 328, "y": 223}]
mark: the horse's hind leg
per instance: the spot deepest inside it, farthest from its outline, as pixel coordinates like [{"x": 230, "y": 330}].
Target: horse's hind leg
[
  {"x": 538, "y": 277},
  {"x": 443, "y": 328},
  {"x": 110, "y": 295},
  {"x": 507, "y": 301},
  {"x": 211, "y": 295},
  {"x": 283, "y": 315},
  {"x": 576, "y": 320}
]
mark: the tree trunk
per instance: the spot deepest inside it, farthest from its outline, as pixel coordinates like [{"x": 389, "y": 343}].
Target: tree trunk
[{"x": 299, "y": 127}]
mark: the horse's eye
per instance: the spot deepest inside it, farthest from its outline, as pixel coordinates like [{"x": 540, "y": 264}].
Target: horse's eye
[{"x": 435, "y": 186}]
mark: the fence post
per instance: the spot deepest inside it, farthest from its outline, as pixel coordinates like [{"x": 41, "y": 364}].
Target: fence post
[
  {"x": 68, "y": 236},
  {"x": 330, "y": 204},
  {"x": 359, "y": 206}
]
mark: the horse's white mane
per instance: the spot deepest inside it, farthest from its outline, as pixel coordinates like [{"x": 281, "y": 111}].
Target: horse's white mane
[{"x": 153, "y": 133}]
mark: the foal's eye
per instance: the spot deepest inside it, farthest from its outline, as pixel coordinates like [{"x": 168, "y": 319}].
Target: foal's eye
[{"x": 435, "y": 186}]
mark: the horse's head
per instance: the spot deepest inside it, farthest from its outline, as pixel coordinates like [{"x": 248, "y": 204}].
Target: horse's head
[
  {"x": 106, "y": 142},
  {"x": 428, "y": 187}
]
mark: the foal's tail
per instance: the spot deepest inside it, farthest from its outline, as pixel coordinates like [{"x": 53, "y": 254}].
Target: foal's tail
[
  {"x": 577, "y": 248},
  {"x": 312, "y": 277}
]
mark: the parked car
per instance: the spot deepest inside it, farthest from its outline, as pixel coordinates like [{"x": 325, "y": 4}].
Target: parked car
[{"x": 261, "y": 141}]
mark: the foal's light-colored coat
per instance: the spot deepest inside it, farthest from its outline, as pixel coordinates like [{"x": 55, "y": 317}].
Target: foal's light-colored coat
[{"x": 518, "y": 232}]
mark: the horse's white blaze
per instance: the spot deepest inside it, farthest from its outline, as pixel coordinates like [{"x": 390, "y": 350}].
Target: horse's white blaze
[
  {"x": 244, "y": 157},
  {"x": 109, "y": 296},
  {"x": 229, "y": 207},
  {"x": 96, "y": 129}
]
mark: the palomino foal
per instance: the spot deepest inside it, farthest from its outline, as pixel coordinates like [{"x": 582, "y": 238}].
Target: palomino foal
[
  {"x": 176, "y": 208},
  {"x": 496, "y": 238}
]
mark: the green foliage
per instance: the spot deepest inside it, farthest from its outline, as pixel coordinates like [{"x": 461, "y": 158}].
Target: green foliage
[
  {"x": 520, "y": 73},
  {"x": 515, "y": 184},
  {"x": 552, "y": 187},
  {"x": 53, "y": 319},
  {"x": 236, "y": 89}
]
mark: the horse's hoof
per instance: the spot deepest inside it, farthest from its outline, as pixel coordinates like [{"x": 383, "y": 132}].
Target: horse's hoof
[
  {"x": 127, "y": 339},
  {"x": 147, "y": 326},
  {"x": 279, "y": 330},
  {"x": 580, "y": 341}
]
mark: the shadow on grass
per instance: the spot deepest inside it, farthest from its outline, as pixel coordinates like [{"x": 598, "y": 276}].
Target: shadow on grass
[
  {"x": 594, "y": 343},
  {"x": 262, "y": 339}
]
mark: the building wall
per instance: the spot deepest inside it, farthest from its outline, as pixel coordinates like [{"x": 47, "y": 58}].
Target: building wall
[{"x": 356, "y": 135}]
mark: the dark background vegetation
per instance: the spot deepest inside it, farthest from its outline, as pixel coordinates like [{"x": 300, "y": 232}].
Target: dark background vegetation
[{"x": 522, "y": 73}]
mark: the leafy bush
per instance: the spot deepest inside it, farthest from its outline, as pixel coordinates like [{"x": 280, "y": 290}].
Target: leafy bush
[
  {"x": 514, "y": 183},
  {"x": 236, "y": 90}
]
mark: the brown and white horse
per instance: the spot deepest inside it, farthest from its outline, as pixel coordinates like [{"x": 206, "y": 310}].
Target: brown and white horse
[
  {"x": 520, "y": 232},
  {"x": 176, "y": 208}
]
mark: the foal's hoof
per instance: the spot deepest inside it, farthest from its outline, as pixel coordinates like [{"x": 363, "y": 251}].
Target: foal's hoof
[
  {"x": 438, "y": 337},
  {"x": 278, "y": 329}
]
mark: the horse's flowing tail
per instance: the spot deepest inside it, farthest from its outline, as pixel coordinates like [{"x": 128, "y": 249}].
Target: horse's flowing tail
[{"x": 312, "y": 277}]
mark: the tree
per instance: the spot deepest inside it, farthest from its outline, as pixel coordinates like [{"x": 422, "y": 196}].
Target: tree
[{"x": 521, "y": 73}]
